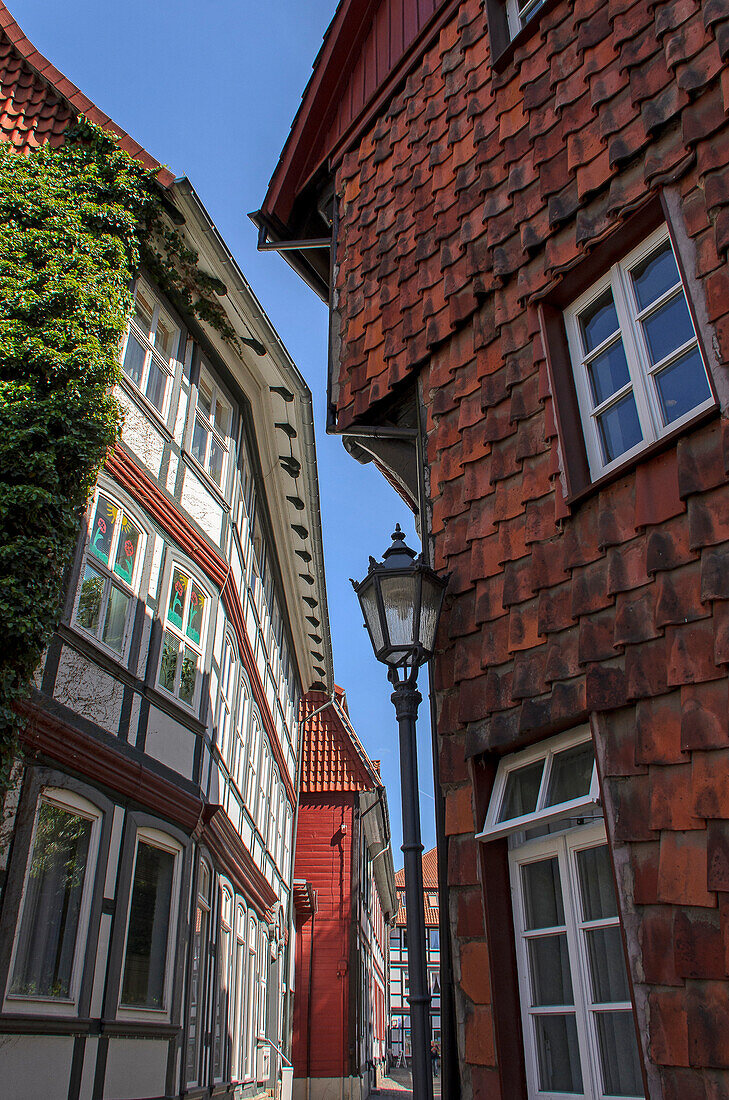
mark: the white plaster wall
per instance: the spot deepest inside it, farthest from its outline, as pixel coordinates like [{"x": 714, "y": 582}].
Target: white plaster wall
[
  {"x": 202, "y": 506},
  {"x": 140, "y": 434},
  {"x": 49, "y": 1057},
  {"x": 83, "y": 687},
  {"x": 135, "y": 1069},
  {"x": 169, "y": 742}
]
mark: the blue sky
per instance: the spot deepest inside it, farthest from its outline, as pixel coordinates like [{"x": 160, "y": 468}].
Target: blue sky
[{"x": 211, "y": 90}]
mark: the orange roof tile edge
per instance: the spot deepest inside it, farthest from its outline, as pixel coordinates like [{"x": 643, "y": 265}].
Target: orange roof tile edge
[
  {"x": 75, "y": 97},
  {"x": 430, "y": 871}
]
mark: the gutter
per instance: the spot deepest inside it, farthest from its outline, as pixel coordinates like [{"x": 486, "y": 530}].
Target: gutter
[{"x": 288, "y": 368}]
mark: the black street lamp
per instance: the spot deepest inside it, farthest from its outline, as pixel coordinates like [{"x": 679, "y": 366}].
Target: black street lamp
[{"x": 401, "y": 600}]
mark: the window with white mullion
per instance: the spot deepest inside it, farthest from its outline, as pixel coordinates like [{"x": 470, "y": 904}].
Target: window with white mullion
[
  {"x": 150, "y": 349},
  {"x": 638, "y": 367},
  {"x": 210, "y": 442}
]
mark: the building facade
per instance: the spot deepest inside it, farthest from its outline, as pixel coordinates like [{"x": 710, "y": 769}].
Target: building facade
[
  {"x": 399, "y": 1048},
  {"x": 346, "y": 900},
  {"x": 147, "y": 863},
  {"x": 527, "y": 210}
]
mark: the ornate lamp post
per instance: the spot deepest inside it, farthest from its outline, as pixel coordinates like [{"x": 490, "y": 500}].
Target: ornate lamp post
[{"x": 401, "y": 600}]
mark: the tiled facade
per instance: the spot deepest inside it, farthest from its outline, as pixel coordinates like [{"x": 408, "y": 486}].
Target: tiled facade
[{"x": 480, "y": 197}]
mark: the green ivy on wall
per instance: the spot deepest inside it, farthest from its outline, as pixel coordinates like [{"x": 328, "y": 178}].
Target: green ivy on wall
[{"x": 75, "y": 223}]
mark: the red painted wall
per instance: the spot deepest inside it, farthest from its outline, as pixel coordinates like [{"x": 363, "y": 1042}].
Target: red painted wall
[{"x": 324, "y": 858}]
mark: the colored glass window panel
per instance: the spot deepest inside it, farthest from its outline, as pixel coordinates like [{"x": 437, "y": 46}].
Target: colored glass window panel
[
  {"x": 178, "y": 592},
  {"x": 102, "y": 530},
  {"x": 126, "y": 552},
  {"x": 196, "y": 614},
  {"x": 89, "y": 604}
]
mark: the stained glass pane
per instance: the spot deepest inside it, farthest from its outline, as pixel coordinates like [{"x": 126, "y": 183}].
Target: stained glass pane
[
  {"x": 134, "y": 356},
  {"x": 116, "y": 617},
  {"x": 49, "y": 924},
  {"x": 196, "y": 614},
  {"x": 655, "y": 275},
  {"x": 89, "y": 603},
  {"x": 598, "y": 321},
  {"x": 188, "y": 677},
  {"x": 102, "y": 529},
  {"x": 178, "y": 592},
  {"x": 682, "y": 386},
  {"x": 156, "y": 385},
  {"x": 145, "y": 961},
  {"x": 168, "y": 664},
  {"x": 126, "y": 551}
]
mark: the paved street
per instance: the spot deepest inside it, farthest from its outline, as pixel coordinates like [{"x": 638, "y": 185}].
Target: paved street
[{"x": 399, "y": 1085}]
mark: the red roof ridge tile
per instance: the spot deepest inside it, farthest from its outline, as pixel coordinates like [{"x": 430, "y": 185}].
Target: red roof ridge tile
[{"x": 73, "y": 96}]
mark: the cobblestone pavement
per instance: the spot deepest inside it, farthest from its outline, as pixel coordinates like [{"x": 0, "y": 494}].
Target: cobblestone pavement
[{"x": 398, "y": 1086}]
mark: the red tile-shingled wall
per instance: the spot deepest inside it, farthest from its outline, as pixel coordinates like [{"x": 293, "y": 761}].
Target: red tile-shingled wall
[{"x": 471, "y": 193}]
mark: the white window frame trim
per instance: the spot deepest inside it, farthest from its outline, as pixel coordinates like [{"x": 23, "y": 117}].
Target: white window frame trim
[
  {"x": 518, "y": 15},
  {"x": 640, "y": 369},
  {"x": 155, "y": 838},
  {"x": 546, "y": 750},
  {"x": 181, "y": 636},
  {"x": 59, "y": 1006},
  {"x": 169, "y": 368},
  {"x": 533, "y": 851},
  {"x": 110, "y": 577},
  {"x": 226, "y": 443}
]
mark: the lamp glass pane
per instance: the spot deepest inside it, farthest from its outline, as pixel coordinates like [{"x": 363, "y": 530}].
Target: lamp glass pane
[
  {"x": 398, "y": 597},
  {"x": 431, "y": 600},
  {"x": 368, "y": 602}
]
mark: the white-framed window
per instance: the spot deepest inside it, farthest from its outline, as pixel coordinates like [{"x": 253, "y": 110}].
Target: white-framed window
[
  {"x": 226, "y": 698},
  {"x": 545, "y": 783},
  {"x": 251, "y": 1017},
  {"x": 183, "y": 641},
  {"x": 222, "y": 992},
  {"x": 109, "y": 576},
  {"x": 242, "y": 723},
  {"x": 47, "y": 959},
  {"x": 211, "y": 428},
  {"x": 638, "y": 368},
  {"x": 253, "y": 764},
  {"x": 579, "y": 1030},
  {"x": 518, "y": 14},
  {"x": 196, "y": 994},
  {"x": 149, "y": 942},
  {"x": 150, "y": 348},
  {"x": 240, "y": 1014}
]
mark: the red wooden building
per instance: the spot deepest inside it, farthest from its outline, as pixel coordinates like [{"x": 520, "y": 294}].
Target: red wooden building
[
  {"x": 345, "y": 897},
  {"x": 528, "y": 213}
]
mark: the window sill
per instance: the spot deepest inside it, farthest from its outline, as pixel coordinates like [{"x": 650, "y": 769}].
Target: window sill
[
  {"x": 146, "y": 406},
  {"x": 655, "y": 448},
  {"x": 208, "y": 481}
]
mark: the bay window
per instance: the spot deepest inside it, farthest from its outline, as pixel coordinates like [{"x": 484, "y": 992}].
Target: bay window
[
  {"x": 110, "y": 575},
  {"x": 151, "y": 920},
  {"x": 150, "y": 349},
  {"x": 211, "y": 428},
  {"x": 183, "y": 642}
]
